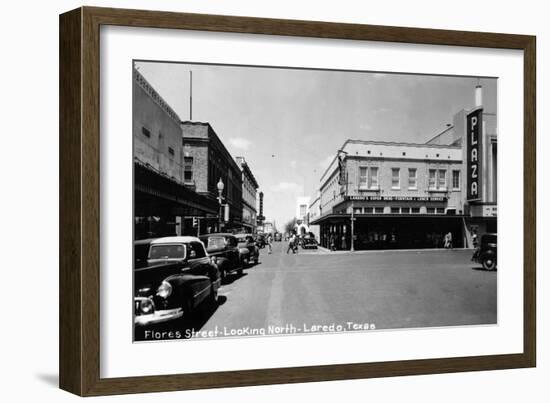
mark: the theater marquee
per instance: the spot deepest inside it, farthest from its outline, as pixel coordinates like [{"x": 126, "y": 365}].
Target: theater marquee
[{"x": 474, "y": 154}]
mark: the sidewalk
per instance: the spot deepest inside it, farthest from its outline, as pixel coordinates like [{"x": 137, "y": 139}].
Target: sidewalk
[{"x": 347, "y": 252}]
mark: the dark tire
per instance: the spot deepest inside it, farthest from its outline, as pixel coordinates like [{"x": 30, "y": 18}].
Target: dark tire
[
  {"x": 223, "y": 275},
  {"x": 489, "y": 263},
  {"x": 213, "y": 295},
  {"x": 188, "y": 309}
]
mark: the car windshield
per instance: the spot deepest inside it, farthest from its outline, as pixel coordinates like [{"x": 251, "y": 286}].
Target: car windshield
[
  {"x": 167, "y": 251},
  {"x": 215, "y": 242}
]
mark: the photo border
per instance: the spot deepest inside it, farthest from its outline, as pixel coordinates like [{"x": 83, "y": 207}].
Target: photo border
[{"x": 79, "y": 218}]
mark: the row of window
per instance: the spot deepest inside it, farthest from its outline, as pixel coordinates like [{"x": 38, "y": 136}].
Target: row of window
[
  {"x": 398, "y": 210},
  {"x": 437, "y": 178}
]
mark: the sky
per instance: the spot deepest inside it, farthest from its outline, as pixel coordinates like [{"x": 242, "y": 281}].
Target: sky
[{"x": 289, "y": 123}]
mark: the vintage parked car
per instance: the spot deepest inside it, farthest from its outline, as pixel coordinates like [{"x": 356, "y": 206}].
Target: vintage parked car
[
  {"x": 141, "y": 252},
  {"x": 248, "y": 249},
  {"x": 179, "y": 277},
  {"x": 486, "y": 252},
  {"x": 224, "y": 252},
  {"x": 309, "y": 241}
]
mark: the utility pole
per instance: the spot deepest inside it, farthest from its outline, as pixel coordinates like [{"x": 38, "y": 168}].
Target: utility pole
[
  {"x": 190, "y": 95},
  {"x": 352, "y": 227}
]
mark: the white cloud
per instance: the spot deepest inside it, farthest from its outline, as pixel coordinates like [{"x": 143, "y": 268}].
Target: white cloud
[
  {"x": 240, "y": 143},
  {"x": 290, "y": 187}
]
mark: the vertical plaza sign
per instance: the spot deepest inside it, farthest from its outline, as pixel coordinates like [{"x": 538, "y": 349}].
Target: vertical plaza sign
[{"x": 474, "y": 142}]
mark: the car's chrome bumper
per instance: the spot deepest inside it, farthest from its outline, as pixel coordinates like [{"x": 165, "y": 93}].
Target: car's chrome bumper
[{"x": 158, "y": 317}]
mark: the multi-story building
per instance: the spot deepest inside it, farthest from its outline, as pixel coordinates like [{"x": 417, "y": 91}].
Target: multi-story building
[
  {"x": 249, "y": 195},
  {"x": 402, "y": 195},
  {"x": 206, "y": 163},
  {"x": 156, "y": 131},
  {"x": 394, "y": 195},
  {"x": 313, "y": 214},
  {"x": 479, "y": 150},
  {"x": 302, "y": 211},
  {"x": 161, "y": 199}
]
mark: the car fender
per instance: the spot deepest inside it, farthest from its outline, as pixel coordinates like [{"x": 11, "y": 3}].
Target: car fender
[{"x": 489, "y": 253}]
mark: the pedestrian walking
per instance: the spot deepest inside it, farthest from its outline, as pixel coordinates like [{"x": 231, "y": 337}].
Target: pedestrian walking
[
  {"x": 291, "y": 244},
  {"x": 448, "y": 240},
  {"x": 269, "y": 246},
  {"x": 332, "y": 243}
]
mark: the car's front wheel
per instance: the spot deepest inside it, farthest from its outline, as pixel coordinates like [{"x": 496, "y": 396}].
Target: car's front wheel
[
  {"x": 214, "y": 295},
  {"x": 489, "y": 263}
]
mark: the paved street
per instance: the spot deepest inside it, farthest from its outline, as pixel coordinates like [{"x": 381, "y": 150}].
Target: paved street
[{"x": 390, "y": 289}]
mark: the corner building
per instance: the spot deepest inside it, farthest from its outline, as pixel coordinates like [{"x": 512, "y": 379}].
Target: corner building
[{"x": 395, "y": 195}]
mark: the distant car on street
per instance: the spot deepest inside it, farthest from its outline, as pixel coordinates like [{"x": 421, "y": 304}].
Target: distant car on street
[
  {"x": 278, "y": 237},
  {"x": 308, "y": 241},
  {"x": 486, "y": 252},
  {"x": 223, "y": 250},
  {"x": 248, "y": 249},
  {"x": 179, "y": 277}
]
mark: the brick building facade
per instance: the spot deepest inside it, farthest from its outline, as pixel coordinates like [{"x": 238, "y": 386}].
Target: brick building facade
[
  {"x": 249, "y": 196},
  {"x": 206, "y": 160}
]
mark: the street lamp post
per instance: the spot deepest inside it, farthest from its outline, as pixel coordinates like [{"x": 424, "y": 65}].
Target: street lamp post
[
  {"x": 220, "y": 187},
  {"x": 352, "y": 248}
]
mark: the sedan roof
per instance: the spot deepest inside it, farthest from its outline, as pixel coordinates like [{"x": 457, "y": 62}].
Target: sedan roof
[{"x": 175, "y": 239}]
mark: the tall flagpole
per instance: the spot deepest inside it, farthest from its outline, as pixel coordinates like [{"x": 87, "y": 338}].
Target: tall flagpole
[{"x": 190, "y": 95}]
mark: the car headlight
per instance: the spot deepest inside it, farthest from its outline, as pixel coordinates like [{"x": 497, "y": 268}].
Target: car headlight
[
  {"x": 146, "y": 306},
  {"x": 164, "y": 290}
]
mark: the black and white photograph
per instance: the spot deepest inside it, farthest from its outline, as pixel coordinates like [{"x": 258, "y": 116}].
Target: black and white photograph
[{"x": 274, "y": 201}]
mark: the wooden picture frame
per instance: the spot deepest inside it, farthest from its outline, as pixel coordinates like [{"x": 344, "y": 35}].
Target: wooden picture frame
[{"x": 79, "y": 201}]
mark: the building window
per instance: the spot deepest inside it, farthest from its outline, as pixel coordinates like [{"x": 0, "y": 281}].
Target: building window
[
  {"x": 432, "y": 184},
  {"x": 405, "y": 210},
  {"x": 412, "y": 178},
  {"x": 368, "y": 210},
  {"x": 363, "y": 171},
  {"x": 395, "y": 210},
  {"x": 430, "y": 210},
  {"x": 357, "y": 210},
  {"x": 146, "y": 132},
  {"x": 302, "y": 210},
  {"x": 171, "y": 151},
  {"x": 373, "y": 178},
  {"x": 379, "y": 210},
  {"x": 437, "y": 179},
  {"x": 456, "y": 180},
  {"x": 395, "y": 178},
  {"x": 440, "y": 210},
  {"x": 415, "y": 210},
  {"x": 442, "y": 179},
  {"x": 187, "y": 168}
]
